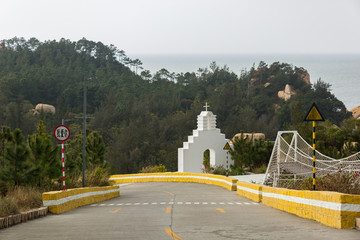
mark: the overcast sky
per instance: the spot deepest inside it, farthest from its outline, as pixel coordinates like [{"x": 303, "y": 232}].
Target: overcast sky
[{"x": 191, "y": 26}]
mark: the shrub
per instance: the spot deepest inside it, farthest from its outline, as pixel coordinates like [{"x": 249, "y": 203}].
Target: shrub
[
  {"x": 219, "y": 170},
  {"x": 153, "y": 169},
  {"x": 95, "y": 177}
]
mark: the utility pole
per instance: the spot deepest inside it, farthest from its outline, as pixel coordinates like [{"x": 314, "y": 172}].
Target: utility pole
[{"x": 84, "y": 131}]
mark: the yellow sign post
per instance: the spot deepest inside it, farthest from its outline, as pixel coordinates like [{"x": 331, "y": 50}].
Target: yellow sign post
[{"x": 314, "y": 115}]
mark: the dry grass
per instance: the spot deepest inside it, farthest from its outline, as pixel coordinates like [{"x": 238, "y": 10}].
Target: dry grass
[
  {"x": 20, "y": 199},
  {"x": 95, "y": 177},
  {"x": 342, "y": 182}
]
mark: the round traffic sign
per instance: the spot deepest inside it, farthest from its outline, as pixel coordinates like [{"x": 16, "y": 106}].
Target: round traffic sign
[{"x": 62, "y": 133}]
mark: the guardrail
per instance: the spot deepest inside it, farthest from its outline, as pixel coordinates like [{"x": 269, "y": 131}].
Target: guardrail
[
  {"x": 62, "y": 201},
  {"x": 218, "y": 180},
  {"x": 333, "y": 209}
]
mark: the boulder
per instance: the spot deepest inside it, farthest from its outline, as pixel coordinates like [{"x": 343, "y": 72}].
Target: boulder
[
  {"x": 45, "y": 108},
  {"x": 356, "y": 112},
  {"x": 249, "y": 136},
  {"x": 287, "y": 93}
]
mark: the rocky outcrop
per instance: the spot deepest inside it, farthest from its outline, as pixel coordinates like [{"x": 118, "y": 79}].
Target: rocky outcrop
[
  {"x": 43, "y": 108},
  {"x": 287, "y": 93},
  {"x": 356, "y": 112},
  {"x": 249, "y": 136},
  {"x": 303, "y": 75}
]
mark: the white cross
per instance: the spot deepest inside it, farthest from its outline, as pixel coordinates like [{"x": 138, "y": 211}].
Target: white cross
[{"x": 206, "y": 106}]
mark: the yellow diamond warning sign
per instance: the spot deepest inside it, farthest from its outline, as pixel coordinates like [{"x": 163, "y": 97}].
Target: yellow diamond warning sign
[
  {"x": 227, "y": 146},
  {"x": 314, "y": 114}
]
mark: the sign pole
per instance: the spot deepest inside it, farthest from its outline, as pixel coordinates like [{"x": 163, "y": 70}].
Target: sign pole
[
  {"x": 314, "y": 115},
  {"x": 227, "y": 148},
  {"x": 61, "y": 134},
  {"x": 63, "y": 163},
  {"x": 227, "y": 163},
  {"x": 314, "y": 151}
]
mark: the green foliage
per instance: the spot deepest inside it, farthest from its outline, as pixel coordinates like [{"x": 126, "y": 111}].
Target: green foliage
[
  {"x": 16, "y": 156},
  {"x": 144, "y": 118},
  {"x": 44, "y": 162},
  {"x": 250, "y": 154}
]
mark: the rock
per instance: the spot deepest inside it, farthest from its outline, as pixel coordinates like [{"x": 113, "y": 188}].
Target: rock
[
  {"x": 252, "y": 81},
  {"x": 356, "y": 112},
  {"x": 287, "y": 93},
  {"x": 303, "y": 75},
  {"x": 266, "y": 84},
  {"x": 249, "y": 136},
  {"x": 44, "y": 107}
]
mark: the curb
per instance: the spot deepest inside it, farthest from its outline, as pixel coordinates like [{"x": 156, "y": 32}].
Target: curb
[{"x": 12, "y": 220}]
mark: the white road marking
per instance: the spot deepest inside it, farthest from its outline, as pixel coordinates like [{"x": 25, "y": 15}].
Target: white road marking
[{"x": 178, "y": 203}]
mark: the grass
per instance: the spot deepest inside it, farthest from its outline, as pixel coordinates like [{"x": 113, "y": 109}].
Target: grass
[
  {"x": 20, "y": 199},
  {"x": 342, "y": 182}
]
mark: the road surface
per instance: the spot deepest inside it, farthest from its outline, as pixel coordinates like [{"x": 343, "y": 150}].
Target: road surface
[{"x": 175, "y": 211}]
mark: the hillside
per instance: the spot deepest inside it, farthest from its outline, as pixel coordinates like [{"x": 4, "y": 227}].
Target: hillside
[{"x": 144, "y": 118}]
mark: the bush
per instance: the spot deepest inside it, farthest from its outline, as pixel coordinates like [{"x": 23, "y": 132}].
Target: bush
[
  {"x": 219, "y": 170},
  {"x": 153, "y": 169},
  {"x": 95, "y": 177}
]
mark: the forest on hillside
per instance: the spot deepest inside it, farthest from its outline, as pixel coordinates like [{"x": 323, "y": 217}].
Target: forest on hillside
[{"x": 143, "y": 118}]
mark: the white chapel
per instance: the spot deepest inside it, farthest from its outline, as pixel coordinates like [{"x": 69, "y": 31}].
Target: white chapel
[{"x": 206, "y": 136}]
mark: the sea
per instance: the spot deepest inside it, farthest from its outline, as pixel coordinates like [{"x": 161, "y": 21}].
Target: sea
[{"x": 342, "y": 71}]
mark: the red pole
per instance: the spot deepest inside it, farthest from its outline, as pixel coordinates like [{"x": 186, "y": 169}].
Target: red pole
[{"x": 63, "y": 163}]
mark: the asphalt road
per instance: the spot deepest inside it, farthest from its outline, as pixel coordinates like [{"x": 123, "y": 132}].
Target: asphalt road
[{"x": 175, "y": 211}]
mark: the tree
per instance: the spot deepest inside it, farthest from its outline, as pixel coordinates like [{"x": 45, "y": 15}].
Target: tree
[
  {"x": 95, "y": 149},
  {"x": 44, "y": 162},
  {"x": 17, "y": 155}
]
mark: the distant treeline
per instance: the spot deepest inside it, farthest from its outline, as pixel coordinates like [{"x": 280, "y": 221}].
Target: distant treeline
[{"x": 145, "y": 118}]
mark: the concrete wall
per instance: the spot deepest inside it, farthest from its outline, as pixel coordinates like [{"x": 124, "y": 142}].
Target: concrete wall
[
  {"x": 333, "y": 209},
  {"x": 218, "y": 180},
  {"x": 62, "y": 201}
]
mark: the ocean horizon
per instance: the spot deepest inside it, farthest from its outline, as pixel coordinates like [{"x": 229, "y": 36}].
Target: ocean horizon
[{"x": 342, "y": 71}]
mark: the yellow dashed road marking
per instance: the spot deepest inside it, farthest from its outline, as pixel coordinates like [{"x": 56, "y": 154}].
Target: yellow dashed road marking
[
  {"x": 221, "y": 210},
  {"x": 115, "y": 211},
  {"x": 168, "y": 210},
  {"x": 172, "y": 234}
]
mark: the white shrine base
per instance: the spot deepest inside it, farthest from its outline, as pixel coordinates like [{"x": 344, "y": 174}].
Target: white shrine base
[{"x": 191, "y": 155}]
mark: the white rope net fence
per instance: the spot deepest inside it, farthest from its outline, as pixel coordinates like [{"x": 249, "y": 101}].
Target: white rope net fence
[{"x": 291, "y": 158}]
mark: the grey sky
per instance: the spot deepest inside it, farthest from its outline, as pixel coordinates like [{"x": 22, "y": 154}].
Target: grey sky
[{"x": 191, "y": 26}]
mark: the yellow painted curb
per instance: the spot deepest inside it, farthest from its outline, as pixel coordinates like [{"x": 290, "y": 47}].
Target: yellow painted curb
[
  {"x": 218, "y": 180},
  {"x": 62, "y": 201}
]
